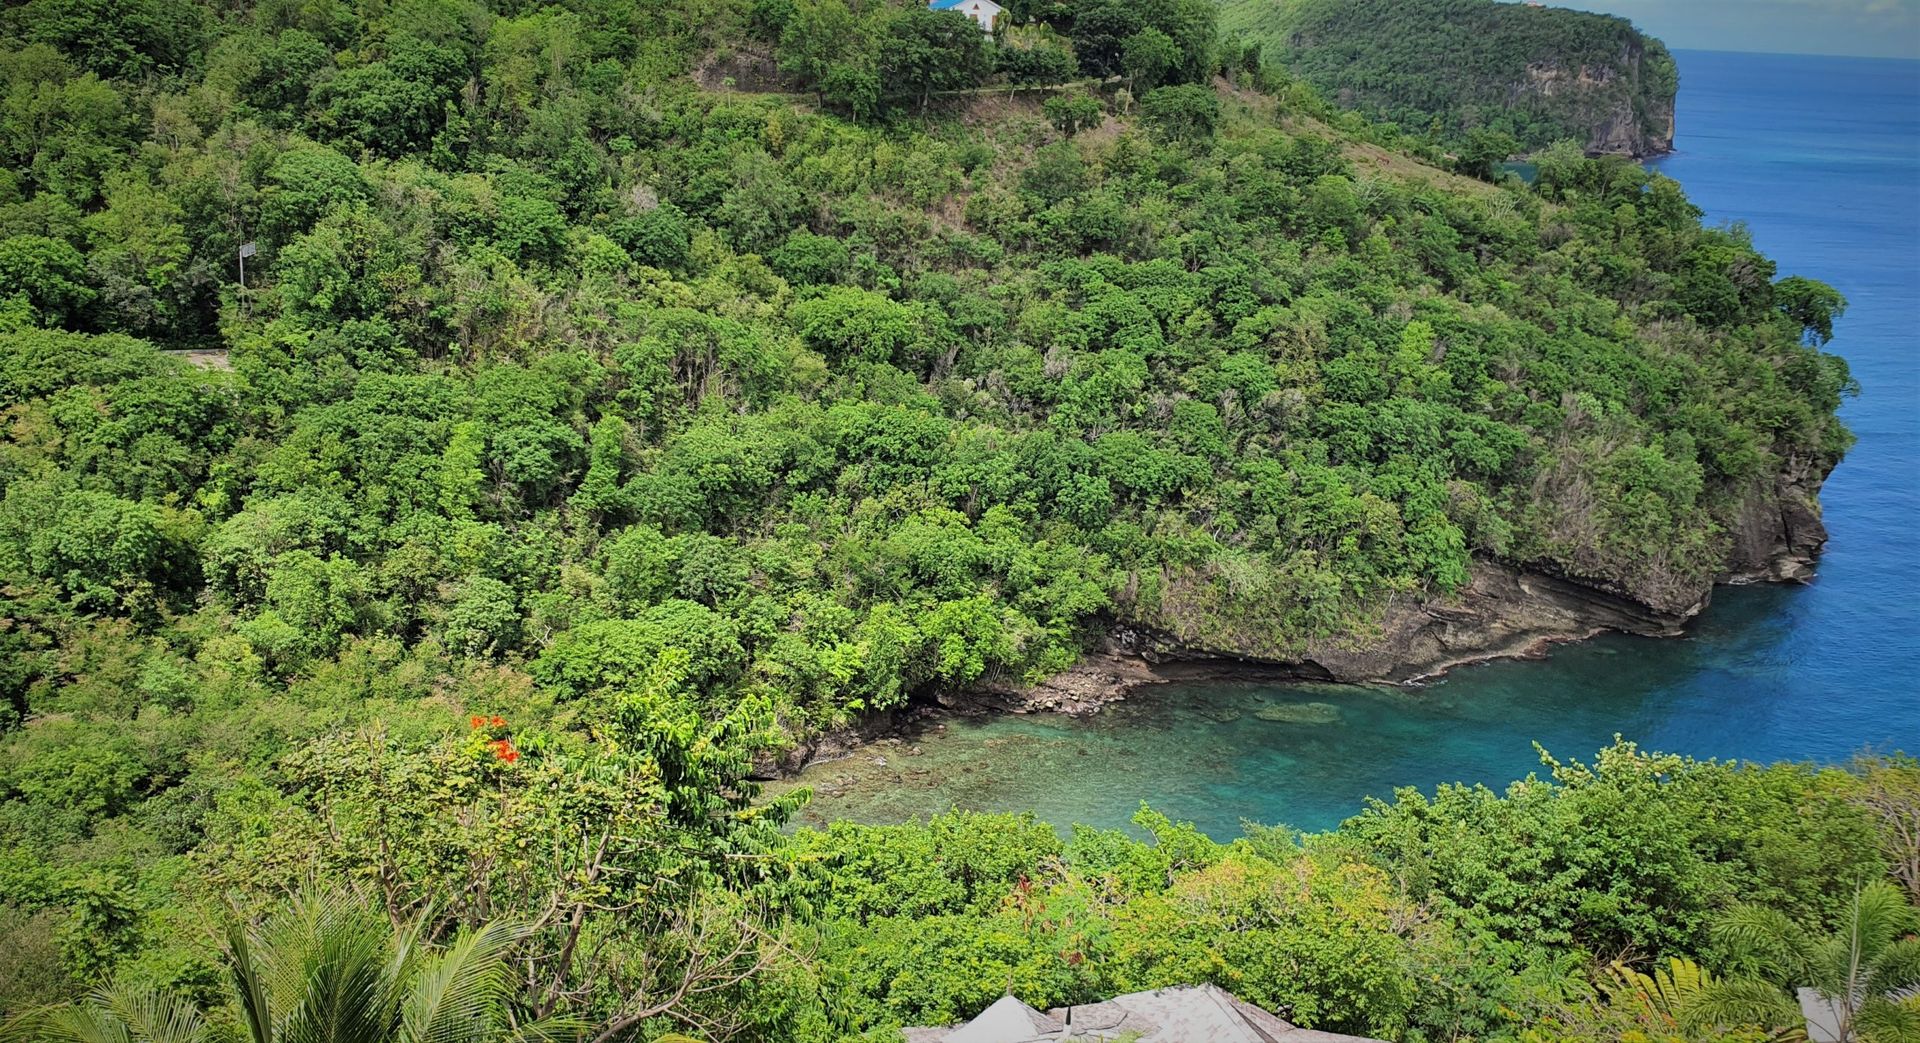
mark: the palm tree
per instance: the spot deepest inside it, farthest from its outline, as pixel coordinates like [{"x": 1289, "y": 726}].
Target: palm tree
[
  {"x": 1869, "y": 970},
  {"x": 1685, "y": 1001},
  {"x": 328, "y": 969}
]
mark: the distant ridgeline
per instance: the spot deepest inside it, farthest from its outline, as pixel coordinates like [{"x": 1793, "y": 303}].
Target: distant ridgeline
[{"x": 1455, "y": 66}]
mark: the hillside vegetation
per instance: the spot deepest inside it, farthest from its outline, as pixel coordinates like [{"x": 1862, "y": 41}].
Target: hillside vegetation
[
  {"x": 1464, "y": 71},
  {"x": 580, "y": 434}
]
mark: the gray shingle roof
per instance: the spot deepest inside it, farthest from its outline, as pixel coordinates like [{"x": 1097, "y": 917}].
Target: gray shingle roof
[{"x": 1184, "y": 1014}]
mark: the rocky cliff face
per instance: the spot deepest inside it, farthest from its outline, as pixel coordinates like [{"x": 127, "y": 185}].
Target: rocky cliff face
[
  {"x": 1778, "y": 532},
  {"x": 1505, "y": 611},
  {"x": 1626, "y": 104}
]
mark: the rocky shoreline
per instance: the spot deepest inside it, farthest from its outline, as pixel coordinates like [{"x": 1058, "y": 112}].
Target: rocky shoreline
[{"x": 1504, "y": 612}]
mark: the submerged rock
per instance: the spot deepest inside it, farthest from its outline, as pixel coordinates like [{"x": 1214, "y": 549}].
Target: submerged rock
[{"x": 1300, "y": 713}]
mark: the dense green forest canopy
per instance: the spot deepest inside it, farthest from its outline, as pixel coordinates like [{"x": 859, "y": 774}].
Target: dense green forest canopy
[
  {"x": 581, "y": 433},
  {"x": 1463, "y": 70}
]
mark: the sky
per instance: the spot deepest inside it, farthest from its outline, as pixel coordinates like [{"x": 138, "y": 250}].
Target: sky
[{"x": 1876, "y": 28}]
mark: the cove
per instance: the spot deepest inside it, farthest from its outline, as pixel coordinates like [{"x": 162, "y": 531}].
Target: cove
[{"x": 1820, "y": 158}]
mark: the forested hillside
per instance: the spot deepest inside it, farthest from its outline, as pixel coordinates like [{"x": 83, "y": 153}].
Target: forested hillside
[
  {"x": 581, "y": 433},
  {"x": 1470, "y": 71}
]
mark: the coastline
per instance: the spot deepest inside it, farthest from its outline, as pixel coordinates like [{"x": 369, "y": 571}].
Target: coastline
[
  {"x": 1775, "y": 535},
  {"x": 1504, "y": 614}
]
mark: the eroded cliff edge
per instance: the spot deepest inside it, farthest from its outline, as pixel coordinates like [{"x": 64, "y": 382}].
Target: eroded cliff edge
[{"x": 1505, "y": 611}]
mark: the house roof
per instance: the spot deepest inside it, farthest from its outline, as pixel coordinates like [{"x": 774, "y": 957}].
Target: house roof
[
  {"x": 1007, "y": 1021},
  {"x": 1176, "y": 1015},
  {"x": 949, "y": 5}
]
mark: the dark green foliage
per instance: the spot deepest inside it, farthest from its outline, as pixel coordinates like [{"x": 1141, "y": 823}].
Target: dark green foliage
[
  {"x": 1813, "y": 305},
  {"x": 925, "y": 51},
  {"x": 1073, "y": 112},
  {"x": 1178, "y": 33},
  {"x": 1453, "y": 67},
  {"x": 1186, "y": 113},
  {"x": 1037, "y": 65}
]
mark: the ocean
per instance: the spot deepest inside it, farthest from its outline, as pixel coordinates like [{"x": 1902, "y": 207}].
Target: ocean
[{"x": 1820, "y": 158}]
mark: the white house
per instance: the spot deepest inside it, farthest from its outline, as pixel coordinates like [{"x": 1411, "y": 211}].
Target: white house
[{"x": 982, "y": 11}]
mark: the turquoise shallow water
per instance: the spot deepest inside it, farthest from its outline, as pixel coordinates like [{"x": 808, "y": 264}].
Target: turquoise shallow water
[{"x": 1821, "y": 158}]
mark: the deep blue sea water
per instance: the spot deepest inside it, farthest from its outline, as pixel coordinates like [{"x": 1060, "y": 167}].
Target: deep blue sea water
[{"x": 1820, "y": 158}]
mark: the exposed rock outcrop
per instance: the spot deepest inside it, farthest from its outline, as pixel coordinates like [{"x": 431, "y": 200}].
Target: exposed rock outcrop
[
  {"x": 1505, "y": 611},
  {"x": 1625, "y": 104},
  {"x": 1778, "y": 533}
]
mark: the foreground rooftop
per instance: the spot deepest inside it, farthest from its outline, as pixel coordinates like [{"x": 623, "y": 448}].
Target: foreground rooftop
[{"x": 1184, "y": 1014}]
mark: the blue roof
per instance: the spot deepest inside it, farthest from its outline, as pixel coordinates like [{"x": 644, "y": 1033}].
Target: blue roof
[{"x": 945, "y": 5}]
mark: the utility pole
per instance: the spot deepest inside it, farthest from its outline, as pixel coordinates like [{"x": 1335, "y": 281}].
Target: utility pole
[{"x": 246, "y": 250}]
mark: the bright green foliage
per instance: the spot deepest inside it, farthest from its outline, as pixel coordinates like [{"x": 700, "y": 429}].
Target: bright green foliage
[
  {"x": 49, "y": 275},
  {"x": 673, "y": 425},
  {"x": 1356, "y": 931},
  {"x": 1071, "y": 113},
  {"x": 1182, "y": 113},
  {"x": 1631, "y": 855}
]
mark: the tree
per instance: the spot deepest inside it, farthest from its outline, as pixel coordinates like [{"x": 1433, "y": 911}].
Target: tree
[
  {"x": 1185, "y": 113},
  {"x": 1103, "y": 29},
  {"x": 1889, "y": 789},
  {"x": 1481, "y": 154},
  {"x": 140, "y": 251},
  {"x": 826, "y": 46},
  {"x": 48, "y": 274},
  {"x": 1072, "y": 112},
  {"x": 1037, "y": 65},
  {"x": 1814, "y": 305},
  {"x": 1864, "y": 970},
  {"x": 1146, "y": 57},
  {"x": 924, "y": 52}
]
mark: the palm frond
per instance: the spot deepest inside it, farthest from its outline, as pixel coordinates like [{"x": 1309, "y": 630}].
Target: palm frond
[
  {"x": 82, "y": 1023},
  {"x": 1660, "y": 995},
  {"x": 152, "y": 1015},
  {"x": 557, "y": 1029},
  {"x": 456, "y": 995},
  {"x": 23, "y": 1026},
  {"x": 250, "y": 982},
  {"x": 1764, "y": 941},
  {"x": 345, "y": 995},
  {"x": 1896, "y": 969},
  {"x": 121, "y": 1013},
  {"x": 1880, "y": 914},
  {"x": 1885, "y": 1021},
  {"x": 1740, "y": 1002}
]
